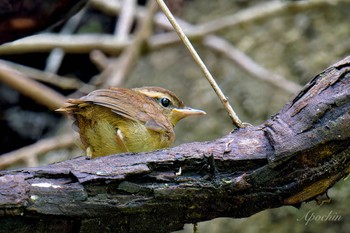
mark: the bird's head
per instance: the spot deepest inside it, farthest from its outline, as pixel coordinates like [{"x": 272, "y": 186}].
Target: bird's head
[{"x": 171, "y": 106}]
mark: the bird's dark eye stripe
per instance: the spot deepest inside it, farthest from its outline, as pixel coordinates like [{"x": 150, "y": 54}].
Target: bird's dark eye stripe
[{"x": 165, "y": 102}]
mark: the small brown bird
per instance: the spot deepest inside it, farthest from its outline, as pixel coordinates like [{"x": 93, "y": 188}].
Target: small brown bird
[{"x": 118, "y": 120}]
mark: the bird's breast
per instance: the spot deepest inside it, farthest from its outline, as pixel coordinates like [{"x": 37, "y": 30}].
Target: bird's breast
[
  {"x": 139, "y": 138},
  {"x": 98, "y": 130}
]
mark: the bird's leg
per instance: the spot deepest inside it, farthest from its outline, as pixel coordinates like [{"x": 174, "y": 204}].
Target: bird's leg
[
  {"x": 179, "y": 172},
  {"x": 89, "y": 152},
  {"x": 195, "y": 227},
  {"x": 120, "y": 140},
  {"x": 228, "y": 146}
]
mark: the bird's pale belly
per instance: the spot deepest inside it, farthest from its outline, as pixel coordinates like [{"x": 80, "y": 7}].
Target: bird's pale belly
[{"x": 103, "y": 139}]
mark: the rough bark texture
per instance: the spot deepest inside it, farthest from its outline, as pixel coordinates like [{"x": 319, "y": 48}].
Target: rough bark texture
[{"x": 296, "y": 155}]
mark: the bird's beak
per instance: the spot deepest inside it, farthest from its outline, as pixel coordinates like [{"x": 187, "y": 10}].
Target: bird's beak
[
  {"x": 184, "y": 112},
  {"x": 179, "y": 113}
]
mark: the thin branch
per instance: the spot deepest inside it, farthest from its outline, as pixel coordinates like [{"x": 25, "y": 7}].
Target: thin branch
[
  {"x": 108, "y": 7},
  {"x": 99, "y": 59},
  {"x": 56, "y": 56},
  {"x": 30, "y": 153},
  {"x": 114, "y": 8},
  {"x": 248, "y": 65},
  {"x": 125, "y": 20},
  {"x": 50, "y": 78},
  {"x": 115, "y": 74},
  {"x": 166, "y": 39},
  {"x": 235, "y": 120},
  {"x": 256, "y": 13},
  {"x": 109, "y": 44},
  {"x": 81, "y": 43},
  {"x": 86, "y": 42},
  {"x": 242, "y": 60},
  {"x": 69, "y": 43},
  {"x": 29, "y": 87}
]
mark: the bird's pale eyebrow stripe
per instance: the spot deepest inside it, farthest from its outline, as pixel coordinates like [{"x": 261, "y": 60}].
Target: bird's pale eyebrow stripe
[{"x": 153, "y": 94}]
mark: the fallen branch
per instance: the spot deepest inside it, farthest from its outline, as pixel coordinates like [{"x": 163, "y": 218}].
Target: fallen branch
[
  {"x": 29, "y": 87},
  {"x": 30, "y": 153},
  {"x": 293, "y": 157},
  {"x": 46, "y": 77}
]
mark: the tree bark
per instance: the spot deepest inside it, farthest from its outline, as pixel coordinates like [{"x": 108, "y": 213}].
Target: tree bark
[{"x": 293, "y": 157}]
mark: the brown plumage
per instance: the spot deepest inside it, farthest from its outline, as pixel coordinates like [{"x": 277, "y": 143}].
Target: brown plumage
[{"x": 120, "y": 120}]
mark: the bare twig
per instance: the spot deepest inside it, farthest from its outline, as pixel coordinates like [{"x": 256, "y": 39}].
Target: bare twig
[
  {"x": 30, "y": 153},
  {"x": 243, "y": 61},
  {"x": 50, "y": 78},
  {"x": 114, "y": 8},
  {"x": 236, "y": 121},
  {"x": 84, "y": 43},
  {"x": 29, "y": 87},
  {"x": 99, "y": 59},
  {"x": 107, "y": 6},
  {"x": 125, "y": 20},
  {"x": 256, "y": 13},
  {"x": 69, "y": 43},
  {"x": 55, "y": 58},
  {"x": 157, "y": 41},
  {"x": 109, "y": 44},
  {"x": 116, "y": 73},
  {"x": 248, "y": 65}
]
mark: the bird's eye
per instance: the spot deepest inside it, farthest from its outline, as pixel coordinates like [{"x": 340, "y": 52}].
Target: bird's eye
[{"x": 165, "y": 102}]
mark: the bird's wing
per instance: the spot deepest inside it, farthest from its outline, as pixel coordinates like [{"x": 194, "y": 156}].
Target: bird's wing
[{"x": 129, "y": 104}]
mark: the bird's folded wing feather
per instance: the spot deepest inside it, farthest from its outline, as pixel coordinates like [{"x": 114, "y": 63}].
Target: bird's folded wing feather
[{"x": 126, "y": 103}]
